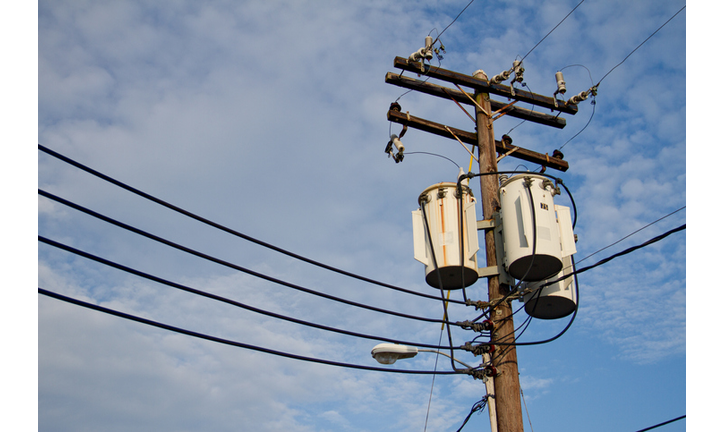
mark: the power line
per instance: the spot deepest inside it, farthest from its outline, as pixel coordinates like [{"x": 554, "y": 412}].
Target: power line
[
  {"x": 662, "y": 424},
  {"x": 224, "y": 228},
  {"x": 435, "y": 41},
  {"x": 544, "y": 37},
  {"x": 620, "y": 254},
  {"x": 593, "y": 110},
  {"x": 231, "y": 302},
  {"x": 477, "y": 406},
  {"x": 453, "y": 21},
  {"x": 229, "y": 342},
  {"x": 575, "y": 274},
  {"x": 226, "y": 263},
  {"x": 595, "y": 87},
  {"x": 638, "y": 230},
  {"x": 639, "y": 46}
]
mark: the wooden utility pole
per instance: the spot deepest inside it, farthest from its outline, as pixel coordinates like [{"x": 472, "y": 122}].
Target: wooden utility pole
[
  {"x": 507, "y": 387},
  {"x": 508, "y": 414}
]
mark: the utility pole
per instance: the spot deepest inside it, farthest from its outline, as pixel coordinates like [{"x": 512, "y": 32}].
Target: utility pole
[
  {"x": 508, "y": 413},
  {"x": 507, "y": 387}
]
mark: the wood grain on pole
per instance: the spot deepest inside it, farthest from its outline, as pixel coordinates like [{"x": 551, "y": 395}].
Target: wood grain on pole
[{"x": 507, "y": 385}]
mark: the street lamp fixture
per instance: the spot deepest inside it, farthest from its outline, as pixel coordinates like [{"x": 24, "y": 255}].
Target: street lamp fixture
[{"x": 388, "y": 353}]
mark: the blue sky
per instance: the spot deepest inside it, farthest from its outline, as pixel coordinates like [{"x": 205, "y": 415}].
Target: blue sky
[{"x": 269, "y": 118}]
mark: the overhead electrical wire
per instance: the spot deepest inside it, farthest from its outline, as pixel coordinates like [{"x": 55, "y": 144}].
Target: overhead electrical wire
[
  {"x": 228, "y": 264},
  {"x": 575, "y": 274},
  {"x": 639, "y": 46},
  {"x": 453, "y": 21},
  {"x": 225, "y": 228},
  {"x": 557, "y": 180},
  {"x": 593, "y": 111},
  {"x": 562, "y": 332},
  {"x": 638, "y": 230},
  {"x": 662, "y": 424},
  {"x": 595, "y": 86},
  {"x": 222, "y": 299},
  {"x": 593, "y": 102},
  {"x": 230, "y": 342},
  {"x": 433, "y": 154},
  {"x": 575, "y": 218},
  {"x": 477, "y": 406},
  {"x": 552, "y": 30},
  {"x": 619, "y": 254},
  {"x": 433, "y": 43},
  {"x": 480, "y": 404}
]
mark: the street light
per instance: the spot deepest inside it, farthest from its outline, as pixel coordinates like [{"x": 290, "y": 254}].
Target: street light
[{"x": 388, "y": 353}]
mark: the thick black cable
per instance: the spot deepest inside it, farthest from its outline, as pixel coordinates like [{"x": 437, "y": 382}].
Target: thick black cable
[
  {"x": 619, "y": 254},
  {"x": 228, "y": 264},
  {"x": 461, "y": 239},
  {"x": 231, "y": 302},
  {"x": 629, "y": 235},
  {"x": 439, "y": 278},
  {"x": 558, "y": 181},
  {"x": 224, "y": 228},
  {"x": 229, "y": 342},
  {"x": 575, "y": 274},
  {"x": 565, "y": 329},
  {"x": 662, "y": 424},
  {"x": 477, "y": 406}
]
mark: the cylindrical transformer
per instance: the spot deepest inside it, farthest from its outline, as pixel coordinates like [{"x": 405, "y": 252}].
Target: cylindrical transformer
[
  {"x": 556, "y": 300},
  {"x": 532, "y": 244},
  {"x": 454, "y": 244}
]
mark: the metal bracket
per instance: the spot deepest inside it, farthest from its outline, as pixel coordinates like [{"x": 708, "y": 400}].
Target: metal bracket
[{"x": 496, "y": 225}]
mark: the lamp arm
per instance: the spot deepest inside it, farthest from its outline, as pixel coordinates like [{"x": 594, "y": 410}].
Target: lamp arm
[{"x": 446, "y": 355}]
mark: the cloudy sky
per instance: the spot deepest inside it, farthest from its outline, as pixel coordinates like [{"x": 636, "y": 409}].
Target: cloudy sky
[{"x": 269, "y": 117}]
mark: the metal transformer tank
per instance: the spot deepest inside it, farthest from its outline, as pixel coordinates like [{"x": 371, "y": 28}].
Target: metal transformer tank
[
  {"x": 529, "y": 221},
  {"x": 453, "y": 235},
  {"x": 554, "y": 301}
]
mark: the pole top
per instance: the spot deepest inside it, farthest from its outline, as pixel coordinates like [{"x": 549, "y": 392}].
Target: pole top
[{"x": 480, "y": 74}]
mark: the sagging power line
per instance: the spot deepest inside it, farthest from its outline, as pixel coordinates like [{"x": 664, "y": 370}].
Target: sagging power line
[{"x": 223, "y": 228}]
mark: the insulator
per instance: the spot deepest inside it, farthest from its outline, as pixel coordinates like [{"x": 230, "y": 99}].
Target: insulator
[
  {"x": 560, "y": 82},
  {"x": 398, "y": 144},
  {"x": 487, "y": 348},
  {"x": 487, "y": 325},
  {"x": 518, "y": 69},
  {"x": 580, "y": 97},
  {"x": 499, "y": 78}
]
